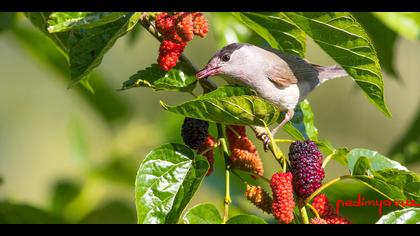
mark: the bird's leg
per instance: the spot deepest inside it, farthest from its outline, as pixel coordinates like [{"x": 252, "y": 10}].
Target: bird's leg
[{"x": 266, "y": 138}]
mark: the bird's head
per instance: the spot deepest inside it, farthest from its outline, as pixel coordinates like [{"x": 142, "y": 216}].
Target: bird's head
[{"x": 230, "y": 60}]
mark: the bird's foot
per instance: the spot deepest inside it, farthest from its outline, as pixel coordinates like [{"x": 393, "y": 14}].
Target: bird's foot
[{"x": 266, "y": 141}]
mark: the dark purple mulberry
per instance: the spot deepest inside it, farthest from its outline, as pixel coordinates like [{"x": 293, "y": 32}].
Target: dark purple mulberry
[
  {"x": 306, "y": 166},
  {"x": 194, "y": 132}
]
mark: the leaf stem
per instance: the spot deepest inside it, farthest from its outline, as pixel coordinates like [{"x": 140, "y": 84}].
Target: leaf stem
[
  {"x": 313, "y": 210},
  {"x": 327, "y": 159},
  {"x": 284, "y": 141},
  {"x": 224, "y": 152},
  {"x": 322, "y": 188},
  {"x": 304, "y": 215},
  {"x": 250, "y": 173}
]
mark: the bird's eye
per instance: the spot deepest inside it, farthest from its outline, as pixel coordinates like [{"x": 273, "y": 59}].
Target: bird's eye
[{"x": 225, "y": 58}]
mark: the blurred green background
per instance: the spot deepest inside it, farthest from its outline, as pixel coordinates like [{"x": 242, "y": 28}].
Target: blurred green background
[{"x": 76, "y": 154}]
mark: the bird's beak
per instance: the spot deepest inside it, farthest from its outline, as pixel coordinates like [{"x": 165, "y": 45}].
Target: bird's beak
[{"x": 209, "y": 70}]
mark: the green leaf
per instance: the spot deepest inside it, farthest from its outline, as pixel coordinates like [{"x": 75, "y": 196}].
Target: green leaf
[
  {"x": 179, "y": 78},
  {"x": 25, "y": 214},
  {"x": 232, "y": 110},
  {"x": 246, "y": 219},
  {"x": 276, "y": 29},
  {"x": 166, "y": 181},
  {"x": 407, "y": 24},
  {"x": 340, "y": 155},
  {"x": 39, "y": 20},
  {"x": 344, "y": 39},
  {"x": 64, "y": 192},
  {"x": 383, "y": 38},
  {"x": 377, "y": 161},
  {"x": 203, "y": 214},
  {"x": 405, "y": 216},
  {"x": 303, "y": 122},
  {"x": 1, "y": 180},
  {"x": 227, "y": 29},
  {"x": 361, "y": 166},
  {"x": 88, "y": 46},
  {"x": 65, "y": 21},
  {"x": 7, "y": 20},
  {"x": 393, "y": 184}
]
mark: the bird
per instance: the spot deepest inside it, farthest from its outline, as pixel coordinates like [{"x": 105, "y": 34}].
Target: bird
[{"x": 281, "y": 78}]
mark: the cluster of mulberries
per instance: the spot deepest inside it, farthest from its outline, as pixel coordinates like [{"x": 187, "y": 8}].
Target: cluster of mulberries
[
  {"x": 177, "y": 29},
  {"x": 259, "y": 198},
  {"x": 326, "y": 211},
  {"x": 244, "y": 154},
  {"x": 283, "y": 202},
  {"x": 195, "y": 134},
  {"x": 318, "y": 221},
  {"x": 306, "y": 166},
  {"x": 206, "y": 149}
]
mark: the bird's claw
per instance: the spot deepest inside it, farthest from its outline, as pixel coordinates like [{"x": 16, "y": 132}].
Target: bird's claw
[{"x": 266, "y": 141}]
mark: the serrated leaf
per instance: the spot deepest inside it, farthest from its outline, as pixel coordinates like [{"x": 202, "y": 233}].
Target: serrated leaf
[
  {"x": 276, "y": 29},
  {"x": 407, "y": 24},
  {"x": 25, "y": 214},
  {"x": 179, "y": 78},
  {"x": 393, "y": 184},
  {"x": 246, "y": 219},
  {"x": 382, "y": 37},
  {"x": 166, "y": 181},
  {"x": 344, "y": 39},
  {"x": 65, "y": 21},
  {"x": 303, "y": 122},
  {"x": 377, "y": 161},
  {"x": 231, "y": 110},
  {"x": 202, "y": 214},
  {"x": 405, "y": 216},
  {"x": 40, "y": 20},
  {"x": 88, "y": 46}
]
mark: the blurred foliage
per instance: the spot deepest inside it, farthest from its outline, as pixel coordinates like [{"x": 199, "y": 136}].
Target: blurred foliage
[
  {"x": 112, "y": 212},
  {"x": 407, "y": 148},
  {"x": 24, "y": 214},
  {"x": 118, "y": 168}
]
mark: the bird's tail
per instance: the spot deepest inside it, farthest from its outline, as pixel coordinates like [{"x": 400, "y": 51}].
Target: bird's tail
[{"x": 329, "y": 72}]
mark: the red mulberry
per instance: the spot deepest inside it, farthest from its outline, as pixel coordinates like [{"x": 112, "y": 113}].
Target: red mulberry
[
  {"x": 200, "y": 25},
  {"x": 194, "y": 132},
  {"x": 244, "y": 154},
  {"x": 185, "y": 25},
  {"x": 206, "y": 149},
  {"x": 169, "y": 53},
  {"x": 259, "y": 198},
  {"x": 327, "y": 211},
  {"x": 318, "y": 221},
  {"x": 283, "y": 202},
  {"x": 306, "y": 166}
]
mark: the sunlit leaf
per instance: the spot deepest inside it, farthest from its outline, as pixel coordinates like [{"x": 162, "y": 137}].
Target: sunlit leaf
[
  {"x": 344, "y": 39},
  {"x": 166, "y": 181}
]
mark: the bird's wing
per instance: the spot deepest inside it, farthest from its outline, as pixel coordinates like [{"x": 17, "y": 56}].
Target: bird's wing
[
  {"x": 287, "y": 69},
  {"x": 281, "y": 75}
]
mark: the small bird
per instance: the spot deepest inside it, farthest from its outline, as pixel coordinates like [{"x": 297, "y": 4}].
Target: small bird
[{"x": 280, "y": 78}]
